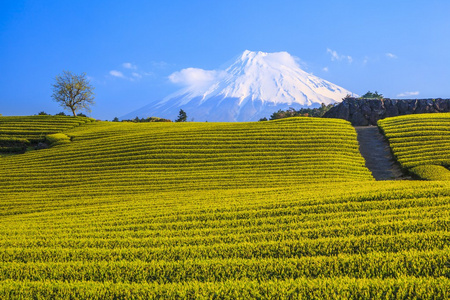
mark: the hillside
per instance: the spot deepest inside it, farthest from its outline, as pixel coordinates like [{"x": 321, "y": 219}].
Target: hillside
[
  {"x": 34, "y": 128},
  {"x": 162, "y": 156},
  {"x": 421, "y": 143},
  {"x": 277, "y": 209},
  {"x": 18, "y": 133}
]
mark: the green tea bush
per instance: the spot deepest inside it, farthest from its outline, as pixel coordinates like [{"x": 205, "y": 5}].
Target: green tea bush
[
  {"x": 431, "y": 172},
  {"x": 263, "y": 210},
  {"x": 420, "y": 140},
  {"x": 57, "y": 139}
]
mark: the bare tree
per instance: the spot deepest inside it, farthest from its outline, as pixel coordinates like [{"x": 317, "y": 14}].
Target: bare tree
[{"x": 73, "y": 92}]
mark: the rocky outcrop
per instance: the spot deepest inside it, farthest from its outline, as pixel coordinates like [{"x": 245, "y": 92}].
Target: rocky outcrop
[{"x": 364, "y": 112}]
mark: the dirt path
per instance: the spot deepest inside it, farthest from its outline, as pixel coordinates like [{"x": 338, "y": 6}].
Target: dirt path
[{"x": 375, "y": 150}]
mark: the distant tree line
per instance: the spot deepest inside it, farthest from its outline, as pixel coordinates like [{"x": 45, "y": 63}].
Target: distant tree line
[
  {"x": 302, "y": 112},
  {"x": 182, "y": 117},
  {"x": 43, "y": 113},
  {"x": 142, "y": 120}
]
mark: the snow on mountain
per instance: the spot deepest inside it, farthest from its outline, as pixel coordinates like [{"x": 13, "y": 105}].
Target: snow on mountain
[{"x": 254, "y": 86}]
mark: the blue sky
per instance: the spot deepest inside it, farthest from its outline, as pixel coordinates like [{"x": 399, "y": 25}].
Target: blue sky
[{"x": 129, "y": 48}]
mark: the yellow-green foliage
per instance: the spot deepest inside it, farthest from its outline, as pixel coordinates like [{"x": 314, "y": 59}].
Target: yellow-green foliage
[
  {"x": 281, "y": 209},
  {"x": 431, "y": 172},
  {"x": 35, "y": 128},
  {"x": 57, "y": 138},
  {"x": 417, "y": 140},
  {"x": 13, "y": 139},
  {"x": 164, "y": 156},
  {"x": 372, "y": 237},
  {"x": 11, "y": 144}
]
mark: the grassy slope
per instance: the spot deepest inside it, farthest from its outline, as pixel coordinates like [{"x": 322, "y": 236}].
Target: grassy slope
[
  {"x": 421, "y": 143},
  {"x": 233, "y": 210},
  {"x": 167, "y": 156},
  {"x": 35, "y": 128},
  {"x": 19, "y": 133}
]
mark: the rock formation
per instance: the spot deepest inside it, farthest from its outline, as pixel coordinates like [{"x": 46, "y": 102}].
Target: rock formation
[{"x": 364, "y": 112}]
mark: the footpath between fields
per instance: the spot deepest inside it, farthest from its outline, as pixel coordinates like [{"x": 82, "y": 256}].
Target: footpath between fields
[{"x": 376, "y": 151}]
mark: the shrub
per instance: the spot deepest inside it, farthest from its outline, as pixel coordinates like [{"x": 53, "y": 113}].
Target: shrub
[
  {"x": 431, "y": 172},
  {"x": 57, "y": 139},
  {"x": 370, "y": 95}
]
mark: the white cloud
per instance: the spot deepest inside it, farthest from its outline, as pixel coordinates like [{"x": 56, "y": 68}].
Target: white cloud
[
  {"x": 116, "y": 73},
  {"x": 147, "y": 73},
  {"x": 390, "y": 55},
  {"x": 407, "y": 94},
  {"x": 130, "y": 66},
  {"x": 325, "y": 69},
  {"x": 334, "y": 55},
  {"x": 136, "y": 75},
  {"x": 131, "y": 73},
  {"x": 366, "y": 60},
  {"x": 339, "y": 57},
  {"x": 159, "y": 64},
  {"x": 195, "y": 77}
]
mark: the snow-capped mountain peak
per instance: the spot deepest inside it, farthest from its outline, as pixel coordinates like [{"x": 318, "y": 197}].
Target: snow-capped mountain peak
[{"x": 254, "y": 86}]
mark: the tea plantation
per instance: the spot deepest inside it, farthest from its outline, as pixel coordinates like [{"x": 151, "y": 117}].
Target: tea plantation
[
  {"x": 280, "y": 209},
  {"x": 18, "y": 133},
  {"x": 421, "y": 143}
]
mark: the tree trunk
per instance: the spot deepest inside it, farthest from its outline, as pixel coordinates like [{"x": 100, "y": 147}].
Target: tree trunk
[{"x": 73, "y": 111}]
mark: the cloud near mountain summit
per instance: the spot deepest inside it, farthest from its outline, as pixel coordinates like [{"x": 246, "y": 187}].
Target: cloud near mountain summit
[
  {"x": 195, "y": 77},
  {"x": 198, "y": 78},
  {"x": 255, "y": 85}
]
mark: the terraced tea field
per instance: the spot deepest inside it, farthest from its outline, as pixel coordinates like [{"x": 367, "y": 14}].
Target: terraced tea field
[
  {"x": 35, "y": 128},
  {"x": 147, "y": 157},
  {"x": 421, "y": 143},
  {"x": 278, "y": 209},
  {"x": 19, "y": 132}
]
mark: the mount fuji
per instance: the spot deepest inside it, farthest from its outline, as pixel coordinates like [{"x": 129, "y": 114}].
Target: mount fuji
[{"x": 256, "y": 85}]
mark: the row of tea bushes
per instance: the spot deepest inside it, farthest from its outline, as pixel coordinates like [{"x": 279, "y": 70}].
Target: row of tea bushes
[{"x": 421, "y": 143}]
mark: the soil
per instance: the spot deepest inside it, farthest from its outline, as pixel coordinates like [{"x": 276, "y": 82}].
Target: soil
[{"x": 376, "y": 151}]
